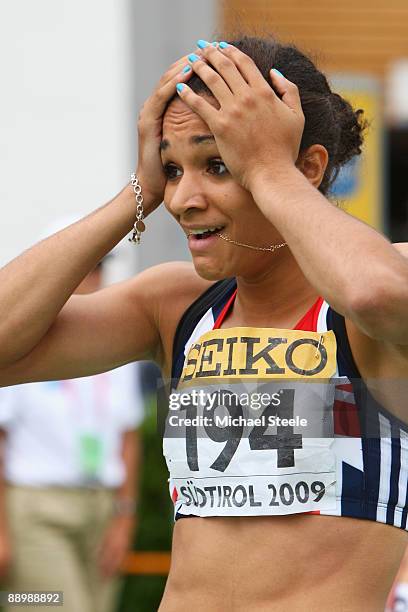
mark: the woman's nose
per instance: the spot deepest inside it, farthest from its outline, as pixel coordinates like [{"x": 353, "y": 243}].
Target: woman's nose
[{"x": 187, "y": 194}]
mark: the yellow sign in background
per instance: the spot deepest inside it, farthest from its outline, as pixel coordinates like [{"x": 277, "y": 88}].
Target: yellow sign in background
[{"x": 360, "y": 184}]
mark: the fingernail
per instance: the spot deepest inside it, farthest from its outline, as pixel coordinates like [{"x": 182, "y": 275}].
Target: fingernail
[
  {"x": 277, "y": 72},
  {"x": 179, "y": 86},
  {"x": 215, "y": 43},
  {"x": 186, "y": 69},
  {"x": 223, "y": 45},
  {"x": 202, "y": 44},
  {"x": 193, "y": 57}
]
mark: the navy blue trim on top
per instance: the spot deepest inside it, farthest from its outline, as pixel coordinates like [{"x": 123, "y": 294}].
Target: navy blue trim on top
[
  {"x": 395, "y": 474},
  {"x": 345, "y": 360},
  {"x": 371, "y": 447},
  {"x": 368, "y": 411},
  {"x": 215, "y": 296},
  {"x": 405, "y": 513},
  {"x": 369, "y": 421},
  {"x": 352, "y": 495}
]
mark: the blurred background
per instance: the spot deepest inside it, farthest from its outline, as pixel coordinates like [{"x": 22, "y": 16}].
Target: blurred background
[{"x": 73, "y": 77}]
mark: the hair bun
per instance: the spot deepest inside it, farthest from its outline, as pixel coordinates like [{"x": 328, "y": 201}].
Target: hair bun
[{"x": 351, "y": 126}]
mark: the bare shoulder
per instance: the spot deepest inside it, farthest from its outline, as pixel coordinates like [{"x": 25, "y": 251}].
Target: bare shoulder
[
  {"x": 167, "y": 290},
  {"x": 171, "y": 279},
  {"x": 165, "y": 287}
]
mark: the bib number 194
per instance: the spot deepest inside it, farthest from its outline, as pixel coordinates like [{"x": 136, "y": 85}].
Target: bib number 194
[{"x": 285, "y": 441}]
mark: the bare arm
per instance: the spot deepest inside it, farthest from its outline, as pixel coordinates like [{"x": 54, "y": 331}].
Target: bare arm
[
  {"x": 125, "y": 322},
  {"x": 356, "y": 269},
  {"x": 35, "y": 286},
  {"x": 41, "y": 338}
]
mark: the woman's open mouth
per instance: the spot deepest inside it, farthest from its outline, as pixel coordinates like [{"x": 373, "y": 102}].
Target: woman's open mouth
[
  {"x": 203, "y": 237},
  {"x": 199, "y": 234}
]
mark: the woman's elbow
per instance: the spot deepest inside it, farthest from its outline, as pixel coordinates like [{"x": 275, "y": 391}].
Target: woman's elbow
[{"x": 381, "y": 312}]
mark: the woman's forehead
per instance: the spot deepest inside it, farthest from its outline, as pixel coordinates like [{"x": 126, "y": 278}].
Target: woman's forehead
[{"x": 180, "y": 119}]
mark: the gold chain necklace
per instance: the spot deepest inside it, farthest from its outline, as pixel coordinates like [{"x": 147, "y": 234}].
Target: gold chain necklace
[{"x": 271, "y": 248}]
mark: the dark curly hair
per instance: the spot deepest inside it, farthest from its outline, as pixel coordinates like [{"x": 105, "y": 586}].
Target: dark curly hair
[{"x": 329, "y": 119}]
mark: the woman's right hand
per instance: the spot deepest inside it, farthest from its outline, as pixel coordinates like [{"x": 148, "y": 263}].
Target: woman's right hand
[{"x": 150, "y": 169}]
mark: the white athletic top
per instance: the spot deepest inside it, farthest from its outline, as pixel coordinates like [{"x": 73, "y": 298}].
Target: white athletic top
[{"x": 349, "y": 459}]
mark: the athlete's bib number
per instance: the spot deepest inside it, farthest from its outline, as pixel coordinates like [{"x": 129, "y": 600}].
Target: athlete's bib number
[
  {"x": 227, "y": 459},
  {"x": 284, "y": 441}
]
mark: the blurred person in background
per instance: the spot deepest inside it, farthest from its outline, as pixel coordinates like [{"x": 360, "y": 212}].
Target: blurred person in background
[{"x": 70, "y": 457}]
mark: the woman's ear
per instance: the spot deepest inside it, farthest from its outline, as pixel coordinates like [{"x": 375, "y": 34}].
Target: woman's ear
[{"x": 313, "y": 163}]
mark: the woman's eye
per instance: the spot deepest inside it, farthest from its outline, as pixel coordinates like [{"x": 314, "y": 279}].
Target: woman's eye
[
  {"x": 215, "y": 167},
  {"x": 218, "y": 167},
  {"x": 171, "y": 171}
]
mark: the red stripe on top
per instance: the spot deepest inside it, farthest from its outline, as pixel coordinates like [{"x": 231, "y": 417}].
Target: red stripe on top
[
  {"x": 346, "y": 387},
  {"x": 307, "y": 323},
  {"x": 224, "y": 311},
  {"x": 346, "y": 419}
]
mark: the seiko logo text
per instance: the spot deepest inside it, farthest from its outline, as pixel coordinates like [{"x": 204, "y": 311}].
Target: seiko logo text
[{"x": 261, "y": 355}]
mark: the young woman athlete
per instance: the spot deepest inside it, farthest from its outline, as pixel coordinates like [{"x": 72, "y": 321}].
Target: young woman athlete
[{"x": 244, "y": 156}]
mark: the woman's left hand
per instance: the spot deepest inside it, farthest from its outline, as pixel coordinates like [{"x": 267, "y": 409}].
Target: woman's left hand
[{"x": 256, "y": 131}]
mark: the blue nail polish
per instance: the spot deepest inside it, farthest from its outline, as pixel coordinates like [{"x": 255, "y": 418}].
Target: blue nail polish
[
  {"x": 202, "y": 44},
  {"x": 186, "y": 69},
  {"x": 193, "y": 57},
  {"x": 223, "y": 45},
  {"x": 214, "y": 44},
  {"x": 277, "y": 72},
  {"x": 180, "y": 86}
]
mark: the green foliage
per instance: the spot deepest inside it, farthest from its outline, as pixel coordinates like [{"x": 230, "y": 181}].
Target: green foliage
[{"x": 142, "y": 593}]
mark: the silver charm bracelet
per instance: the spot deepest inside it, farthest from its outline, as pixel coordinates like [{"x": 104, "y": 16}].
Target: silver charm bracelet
[{"x": 138, "y": 226}]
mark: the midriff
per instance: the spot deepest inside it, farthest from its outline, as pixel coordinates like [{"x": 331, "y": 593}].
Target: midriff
[{"x": 293, "y": 563}]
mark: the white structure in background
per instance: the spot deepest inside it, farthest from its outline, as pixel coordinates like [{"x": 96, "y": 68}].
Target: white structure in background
[
  {"x": 74, "y": 75},
  {"x": 396, "y": 93}
]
